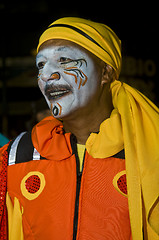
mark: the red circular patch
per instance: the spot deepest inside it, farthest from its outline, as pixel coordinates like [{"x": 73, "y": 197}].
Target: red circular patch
[
  {"x": 122, "y": 184},
  {"x": 32, "y": 184}
]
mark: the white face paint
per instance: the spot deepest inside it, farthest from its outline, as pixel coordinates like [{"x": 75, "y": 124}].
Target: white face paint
[{"x": 67, "y": 78}]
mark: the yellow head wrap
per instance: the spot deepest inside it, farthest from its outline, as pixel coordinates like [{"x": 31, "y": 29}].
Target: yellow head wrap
[{"x": 95, "y": 37}]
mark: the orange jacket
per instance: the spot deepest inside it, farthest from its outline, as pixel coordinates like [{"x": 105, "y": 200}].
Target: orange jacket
[{"x": 58, "y": 201}]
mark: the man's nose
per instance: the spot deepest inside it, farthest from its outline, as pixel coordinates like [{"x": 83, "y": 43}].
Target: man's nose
[{"x": 52, "y": 76}]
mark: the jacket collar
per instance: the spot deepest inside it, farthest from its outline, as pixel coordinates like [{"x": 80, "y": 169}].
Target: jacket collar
[{"x": 50, "y": 141}]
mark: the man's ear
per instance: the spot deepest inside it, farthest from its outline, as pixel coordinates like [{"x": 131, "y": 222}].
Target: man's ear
[{"x": 108, "y": 74}]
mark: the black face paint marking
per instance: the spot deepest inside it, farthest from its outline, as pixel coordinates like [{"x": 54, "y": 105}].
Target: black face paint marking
[
  {"x": 76, "y": 70},
  {"x": 61, "y": 48},
  {"x": 55, "y": 111},
  {"x": 77, "y": 61}
]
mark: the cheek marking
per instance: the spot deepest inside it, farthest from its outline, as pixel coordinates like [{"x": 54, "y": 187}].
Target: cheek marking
[
  {"x": 39, "y": 76},
  {"x": 86, "y": 78},
  {"x": 60, "y": 108},
  {"x": 83, "y": 77},
  {"x": 72, "y": 74},
  {"x": 80, "y": 83}
]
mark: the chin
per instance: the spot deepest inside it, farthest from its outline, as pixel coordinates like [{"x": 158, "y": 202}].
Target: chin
[{"x": 58, "y": 112}]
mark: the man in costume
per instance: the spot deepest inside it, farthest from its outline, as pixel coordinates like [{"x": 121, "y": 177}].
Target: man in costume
[{"x": 90, "y": 171}]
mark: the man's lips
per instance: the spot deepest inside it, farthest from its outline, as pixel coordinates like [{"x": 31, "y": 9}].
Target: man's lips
[{"x": 54, "y": 92}]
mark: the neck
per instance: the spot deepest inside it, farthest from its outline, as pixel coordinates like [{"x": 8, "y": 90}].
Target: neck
[{"x": 88, "y": 120}]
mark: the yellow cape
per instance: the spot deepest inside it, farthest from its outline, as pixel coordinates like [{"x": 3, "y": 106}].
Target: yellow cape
[{"x": 134, "y": 125}]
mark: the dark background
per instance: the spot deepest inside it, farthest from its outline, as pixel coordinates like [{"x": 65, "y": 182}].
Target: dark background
[{"x": 22, "y": 23}]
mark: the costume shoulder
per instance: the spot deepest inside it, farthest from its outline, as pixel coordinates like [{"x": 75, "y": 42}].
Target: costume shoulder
[{"x": 21, "y": 150}]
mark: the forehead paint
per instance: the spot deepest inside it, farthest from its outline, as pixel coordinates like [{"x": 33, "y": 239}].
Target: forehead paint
[{"x": 61, "y": 48}]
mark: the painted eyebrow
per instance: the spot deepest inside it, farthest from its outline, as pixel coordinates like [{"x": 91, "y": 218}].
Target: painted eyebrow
[
  {"x": 39, "y": 55},
  {"x": 77, "y": 61},
  {"x": 62, "y": 48}
]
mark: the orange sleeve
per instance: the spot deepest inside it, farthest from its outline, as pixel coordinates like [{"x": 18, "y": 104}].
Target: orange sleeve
[
  {"x": 2, "y": 149},
  {"x": 3, "y": 190}
]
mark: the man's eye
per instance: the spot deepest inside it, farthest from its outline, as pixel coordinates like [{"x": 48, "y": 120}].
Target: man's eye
[
  {"x": 40, "y": 65},
  {"x": 64, "y": 60}
]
